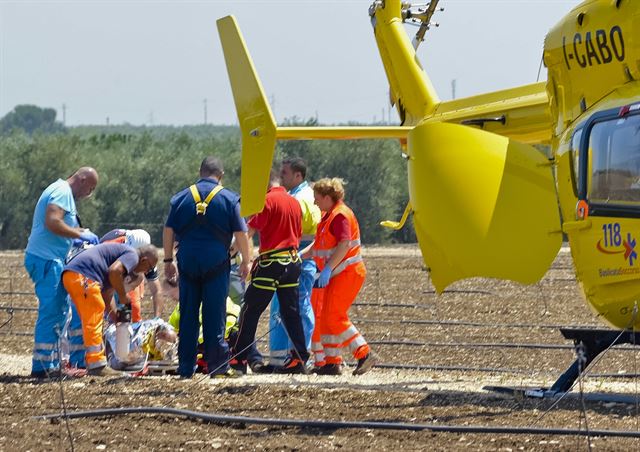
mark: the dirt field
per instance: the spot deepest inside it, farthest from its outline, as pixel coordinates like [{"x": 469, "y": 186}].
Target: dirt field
[{"x": 458, "y": 345}]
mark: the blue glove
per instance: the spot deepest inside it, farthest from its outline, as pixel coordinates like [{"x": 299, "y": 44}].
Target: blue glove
[
  {"x": 90, "y": 237},
  {"x": 76, "y": 243},
  {"x": 325, "y": 276}
]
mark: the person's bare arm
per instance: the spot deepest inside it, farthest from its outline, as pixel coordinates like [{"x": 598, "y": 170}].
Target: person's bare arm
[
  {"x": 170, "y": 269},
  {"x": 116, "y": 278},
  {"x": 242, "y": 242},
  {"x": 109, "y": 302},
  {"x": 54, "y": 221},
  {"x": 338, "y": 254}
]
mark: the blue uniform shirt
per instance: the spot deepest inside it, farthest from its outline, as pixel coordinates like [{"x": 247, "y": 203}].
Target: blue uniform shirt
[
  {"x": 94, "y": 262},
  {"x": 222, "y": 215},
  {"x": 42, "y": 242}
]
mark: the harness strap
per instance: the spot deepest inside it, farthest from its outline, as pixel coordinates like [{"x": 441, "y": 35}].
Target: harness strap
[
  {"x": 283, "y": 256},
  {"x": 201, "y": 210},
  {"x": 201, "y": 206},
  {"x": 277, "y": 252},
  {"x": 270, "y": 284}
]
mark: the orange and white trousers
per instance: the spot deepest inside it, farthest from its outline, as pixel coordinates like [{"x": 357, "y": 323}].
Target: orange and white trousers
[
  {"x": 87, "y": 298},
  {"x": 334, "y": 332}
]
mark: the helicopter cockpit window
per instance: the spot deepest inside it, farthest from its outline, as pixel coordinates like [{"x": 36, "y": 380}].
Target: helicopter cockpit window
[{"x": 614, "y": 162}]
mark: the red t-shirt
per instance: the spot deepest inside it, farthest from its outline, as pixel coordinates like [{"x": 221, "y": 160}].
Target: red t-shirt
[
  {"x": 280, "y": 222},
  {"x": 339, "y": 228}
]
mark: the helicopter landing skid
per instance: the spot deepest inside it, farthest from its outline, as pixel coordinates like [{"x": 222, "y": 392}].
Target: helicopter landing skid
[
  {"x": 589, "y": 343},
  {"x": 543, "y": 393}
]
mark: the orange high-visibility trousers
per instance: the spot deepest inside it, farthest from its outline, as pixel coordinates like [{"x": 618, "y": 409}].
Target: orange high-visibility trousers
[
  {"x": 336, "y": 330},
  {"x": 87, "y": 297},
  {"x": 135, "y": 296}
]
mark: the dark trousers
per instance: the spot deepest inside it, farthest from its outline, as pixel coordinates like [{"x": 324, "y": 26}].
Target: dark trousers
[
  {"x": 265, "y": 281},
  {"x": 202, "y": 283},
  {"x": 236, "y": 293}
]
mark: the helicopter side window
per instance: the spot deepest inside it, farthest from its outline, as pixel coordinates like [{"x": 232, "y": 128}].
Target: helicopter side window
[
  {"x": 575, "y": 157},
  {"x": 613, "y": 164}
]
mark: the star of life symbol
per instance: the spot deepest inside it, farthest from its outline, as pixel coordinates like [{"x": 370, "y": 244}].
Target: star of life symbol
[{"x": 629, "y": 247}]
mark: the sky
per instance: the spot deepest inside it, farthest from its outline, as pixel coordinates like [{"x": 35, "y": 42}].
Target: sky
[{"x": 158, "y": 62}]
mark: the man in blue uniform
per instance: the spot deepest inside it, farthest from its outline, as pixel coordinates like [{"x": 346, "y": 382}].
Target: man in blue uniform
[
  {"x": 202, "y": 219},
  {"x": 55, "y": 225}
]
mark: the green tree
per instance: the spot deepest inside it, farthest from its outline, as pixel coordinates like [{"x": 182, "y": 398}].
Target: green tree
[
  {"x": 141, "y": 168},
  {"x": 30, "y": 118}
]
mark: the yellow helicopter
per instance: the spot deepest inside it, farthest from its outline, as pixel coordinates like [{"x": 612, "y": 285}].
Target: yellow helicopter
[{"x": 485, "y": 202}]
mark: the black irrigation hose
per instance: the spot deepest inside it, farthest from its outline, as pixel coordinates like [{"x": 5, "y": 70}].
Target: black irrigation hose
[
  {"x": 332, "y": 425},
  {"x": 476, "y": 345},
  {"x": 500, "y": 370},
  {"x": 463, "y": 291},
  {"x": 393, "y": 305},
  {"x": 410, "y": 322},
  {"x": 17, "y": 308},
  {"x": 490, "y": 325},
  {"x": 10, "y": 312}
]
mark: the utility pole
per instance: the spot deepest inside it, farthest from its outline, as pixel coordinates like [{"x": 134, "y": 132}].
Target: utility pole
[
  {"x": 64, "y": 114},
  {"x": 205, "y": 111},
  {"x": 107, "y": 121},
  {"x": 453, "y": 88}
]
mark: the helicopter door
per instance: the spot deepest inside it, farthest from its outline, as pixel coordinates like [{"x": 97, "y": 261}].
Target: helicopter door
[{"x": 605, "y": 243}]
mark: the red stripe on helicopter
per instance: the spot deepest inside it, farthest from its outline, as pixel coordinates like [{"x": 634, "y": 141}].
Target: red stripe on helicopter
[{"x": 602, "y": 250}]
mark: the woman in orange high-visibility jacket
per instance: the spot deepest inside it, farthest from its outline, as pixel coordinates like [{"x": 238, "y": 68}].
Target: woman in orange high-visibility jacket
[{"x": 336, "y": 251}]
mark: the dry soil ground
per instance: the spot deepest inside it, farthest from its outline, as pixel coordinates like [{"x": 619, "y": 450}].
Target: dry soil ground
[{"x": 459, "y": 359}]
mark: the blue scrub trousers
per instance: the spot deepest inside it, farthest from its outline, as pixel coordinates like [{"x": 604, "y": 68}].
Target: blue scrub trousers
[
  {"x": 53, "y": 307},
  {"x": 279, "y": 343},
  {"x": 196, "y": 289}
]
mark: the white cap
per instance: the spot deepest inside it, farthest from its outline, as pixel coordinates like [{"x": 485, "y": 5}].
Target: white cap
[{"x": 137, "y": 238}]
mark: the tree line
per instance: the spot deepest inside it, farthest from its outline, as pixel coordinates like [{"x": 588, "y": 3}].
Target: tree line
[{"x": 140, "y": 169}]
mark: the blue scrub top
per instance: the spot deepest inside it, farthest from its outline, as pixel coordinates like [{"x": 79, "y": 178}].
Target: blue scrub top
[
  {"x": 94, "y": 262},
  {"x": 42, "y": 242}
]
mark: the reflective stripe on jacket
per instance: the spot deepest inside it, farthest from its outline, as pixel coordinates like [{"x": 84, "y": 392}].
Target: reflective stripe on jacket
[{"x": 326, "y": 243}]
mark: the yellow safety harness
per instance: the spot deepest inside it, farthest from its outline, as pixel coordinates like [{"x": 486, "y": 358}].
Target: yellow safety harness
[
  {"x": 201, "y": 206},
  {"x": 200, "y": 220},
  {"x": 265, "y": 259}
]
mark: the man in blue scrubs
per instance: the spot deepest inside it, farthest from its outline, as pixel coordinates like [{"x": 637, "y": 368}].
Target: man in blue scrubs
[
  {"x": 55, "y": 225},
  {"x": 202, "y": 219}
]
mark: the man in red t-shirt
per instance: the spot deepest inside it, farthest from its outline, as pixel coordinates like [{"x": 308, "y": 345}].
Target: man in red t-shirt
[{"x": 276, "y": 270}]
